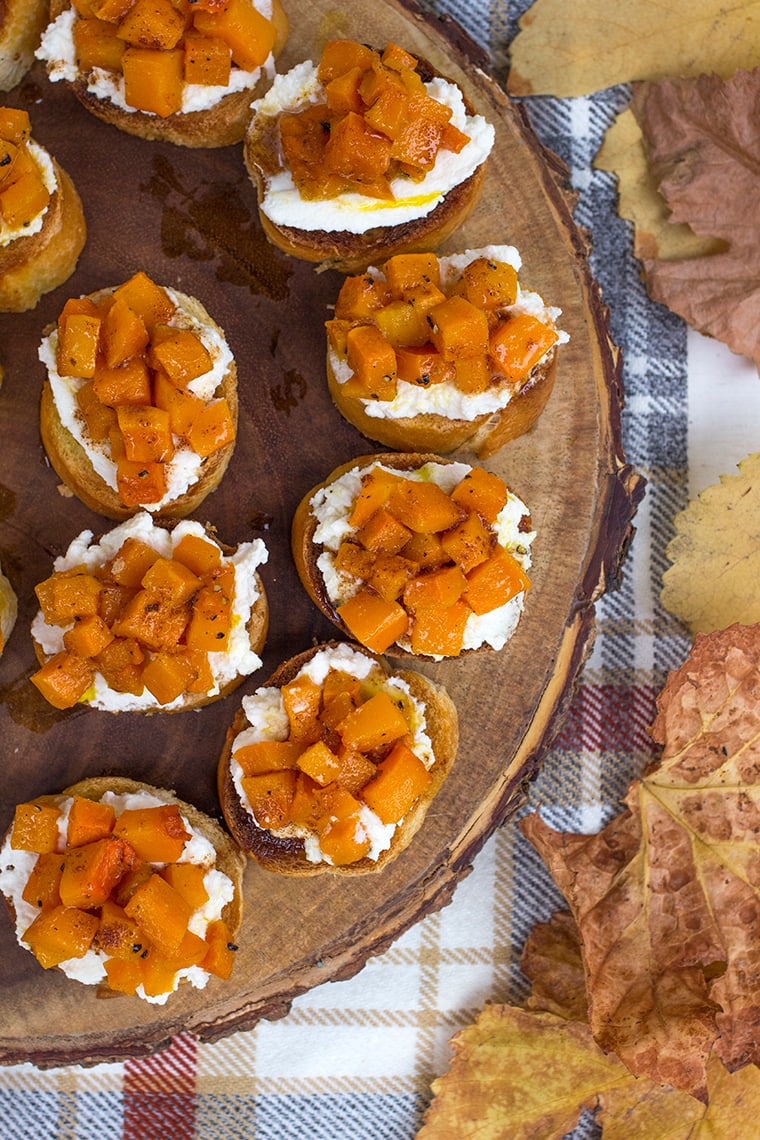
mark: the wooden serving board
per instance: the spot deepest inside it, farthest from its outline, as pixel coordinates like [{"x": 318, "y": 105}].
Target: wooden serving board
[{"x": 188, "y": 218}]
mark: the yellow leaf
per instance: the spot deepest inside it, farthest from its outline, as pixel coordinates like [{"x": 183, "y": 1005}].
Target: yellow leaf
[
  {"x": 715, "y": 555},
  {"x": 574, "y": 49}
]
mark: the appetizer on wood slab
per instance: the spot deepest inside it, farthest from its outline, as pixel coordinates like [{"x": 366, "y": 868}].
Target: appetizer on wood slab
[
  {"x": 122, "y": 886},
  {"x": 42, "y": 224},
  {"x": 146, "y": 619},
  {"x": 434, "y": 354},
  {"x": 139, "y": 409},
  {"x": 183, "y": 73},
  {"x": 332, "y": 765},
  {"x": 415, "y": 554},
  {"x": 364, "y": 154}
]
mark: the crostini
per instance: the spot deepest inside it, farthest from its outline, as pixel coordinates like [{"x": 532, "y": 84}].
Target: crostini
[
  {"x": 123, "y": 886},
  {"x": 42, "y": 224},
  {"x": 139, "y": 408},
  {"x": 148, "y": 619},
  {"x": 8, "y": 610},
  {"x": 362, "y": 155},
  {"x": 435, "y": 353},
  {"x": 181, "y": 73},
  {"x": 21, "y": 24},
  {"x": 332, "y": 765},
  {"x": 415, "y": 554}
]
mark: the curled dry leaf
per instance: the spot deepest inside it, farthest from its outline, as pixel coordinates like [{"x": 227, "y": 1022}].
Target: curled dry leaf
[
  {"x": 703, "y": 150},
  {"x": 552, "y": 959},
  {"x": 667, "y": 896},
  {"x": 715, "y": 555},
  {"x": 574, "y": 49}
]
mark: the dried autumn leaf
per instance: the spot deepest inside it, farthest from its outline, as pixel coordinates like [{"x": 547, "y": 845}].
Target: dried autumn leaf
[
  {"x": 622, "y": 153},
  {"x": 552, "y": 959},
  {"x": 703, "y": 150},
  {"x": 715, "y": 555},
  {"x": 667, "y": 896},
  {"x": 574, "y": 49}
]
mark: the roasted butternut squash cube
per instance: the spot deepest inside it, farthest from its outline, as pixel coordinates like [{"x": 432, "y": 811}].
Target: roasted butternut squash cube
[
  {"x": 490, "y": 284},
  {"x": 342, "y": 93},
  {"x": 383, "y": 532},
  {"x": 356, "y": 152},
  {"x": 155, "y": 24},
  {"x": 400, "y": 781},
  {"x": 120, "y": 664},
  {"x": 22, "y": 200},
  {"x": 182, "y": 355},
  {"x": 340, "y": 56},
  {"x": 468, "y": 543},
  {"x": 124, "y": 975},
  {"x": 212, "y": 428},
  {"x": 481, "y": 491},
  {"x": 435, "y": 588},
  {"x": 453, "y": 139},
  {"x": 220, "y": 956},
  {"x": 42, "y": 887},
  {"x": 423, "y": 506},
  {"x": 146, "y": 432},
  {"x": 207, "y": 61},
  {"x": 131, "y": 562},
  {"x": 124, "y": 333},
  {"x": 425, "y": 550},
  {"x": 211, "y": 620},
  {"x": 375, "y": 491},
  {"x": 175, "y": 582},
  {"x": 35, "y": 827},
  {"x": 404, "y": 322},
  {"x": 96, "y": 44},
  {"x": 249, "y": 35},
  {"x": 118, "y": 935},
  {"x": 517, "y": 345},
  {"x": 389, "y": 109},
  {"x": 458, "y": 329},
  {"x": 495, "y": 582},
  {"x": 67, "y": 595},
  {"x": 88, "y": 820},
  {"x": 154, "y": 625},
  {"x": 439, "y": 631},
  {"x": 356, "y": 770},
  {"x": 372, "y": 361},
  {"x": 319, "y": 762},
  {"x": 15, "y": 125},
  {"x": 374, "y": 724},
  {"x": 472, "y": 374},
  {"x": 64, "y": 679},
  {"x": 373, "y": 621},
  {"x": 270, "y": 796},
  {"x": 158, "y": 834},
  {"x": 268, "y": 756},
  {"x": 148, "y": 299},
  {"x": 78, "y": 343},
  {"x": 301, "y": 699},
  {"x": 360, "y": 297},
  {"x": 390, "y": 574},
  {"x": 344, "y": 841},
  {"x": 161, "y": 913},
  {"x": 422, "y": 365},
  {"x": 168, "y": 674},
  {"x": 109, "y": 10},
  {"x": 153, "y": 80},
  {"x": 140, "y": 483},
  {"x": 397, "y": 58},
  {"x": 405, "y": 273},
  {"x": 88, "y": 636},
  {"x": 98, "y": 417},
  {"x": 129, "y": 383},
  {"x": 92, "y": 870},
  {"x": 198, "y": 554},
  {"x": 182, "y": 406},
  {"x": 188, "y": 879},
  {"x": 59, "y": 934},
  {"x": 350, "y": 558}
]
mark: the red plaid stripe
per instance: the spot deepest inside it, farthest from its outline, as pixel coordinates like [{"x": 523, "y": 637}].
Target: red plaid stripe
[
  {"x": 609, "y": 718},
  {"x": 159, "y": 1093}
]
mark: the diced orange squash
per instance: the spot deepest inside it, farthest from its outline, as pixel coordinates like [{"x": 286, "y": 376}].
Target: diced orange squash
[
  {"x": 359, "y": 154},
  {"x": 453, "y": 139},
  {"x": 423, "y": 365},
  {"x": 342, "y": 55},
  {"x": 383, "y": 531},
  {"x": 400, "y": 781},
  {"x": 439, "y": 632},
  {"x": 88, "y": 821},
  {"x": 78, "y": 345},
  {"x": 372, "y": 361},
  {"x": 307, "y": 805},
  {"x": 182, "y": 356},
  {"x": 416, "y": 147},
  {"x": 249, "y": 35},
  {"x": 335, "y": 709},
  {"x": 211, "y": 621},
  {"x": 127, "y": 384},
  {"x": 109, "y": 10},
  {"x": 425, "y": 550},
  {"x": 153, "y": 80},
  {"x": 140, "y": 483},
  {"x": 319, "y": 762},
  {"x": 212, "y": 428},
  {"x": 124, "y": 974},
  {"x": 167, "y": 675},
  {"x": 42, "y": 887},
  {"x": 113, "y": 599},
  {"x": 172, "y": 580},
  {"x": 490, "y": 284},
  {"x": 22, "y": 200},
  {"x": 59, "y": 934},
  {"x": 92, "y": 870},
  {"x": 67, "y": 595},
  {"x": 207, "y": 61},
  {"x": 132, "y": 561},
  {"x": 397, "y": 58},
  {"x": 15, "y": 125},
  {"x": 118, "y": 935},
  {"x": 350, "y": 558},
  {"x": 88, "y": 636},
  {"x": 344, "y": 841},
  {"x": 158, "y": 834},
  {"x": 375, "y": 490},
  {"x": 390, "y": 574},
  {"x": 267, "y": 756},
  {"x": 124, "y": 333},
  {"x": 436, "y": 588},
  {"x": 182, "y": 405},
  {"x": 198, "y": 554},
  {"x": 150, "y": 623},
  {"x": 35, "y": 827},
  {"x": 373, "y": 621},
  {"x": 270, "y": 795},
  {"x": 356, "y": 770},
  {"x": 188, "y": 879},
  {"x": 148, "y": 299},
  {"x": 406, "y": 272},
  {"x": 342, "y": 93},
  {"x": 469, "y": 542},
  {"x": 64, "y": 679},
  {"x": 337, "y": 682},
  {"x": 155, "y": 24},
  {"x": 96, "y": 44},
  {"x": 472, "y": 374},
  {"x": 405, "y": 322},
  {"x": 204, "y": 680},
  {"x": 423, "y": 506},
  {"x": 220, "y": 956},
  {"x": 131, "y": 881},
  {"x": 495, "y": 582},
  {"x": 359, "y": 298},
  {"x": 481, "y": 491},
  {"x": 161, "y": 913},
  {"x": 375, "y": 724},
  {"x": 120, "y": 664},
  {"x": 517, "y": 345},
  {"x": 301, "y": 699},
  {"x": 458, "y": 328},
  {"x": 100, "y": 419}
]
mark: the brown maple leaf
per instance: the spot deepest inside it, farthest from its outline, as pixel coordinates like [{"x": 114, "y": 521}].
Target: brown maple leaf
[
  {"x": 667, "y": 896},
  {"x": 703, "y": 150}
]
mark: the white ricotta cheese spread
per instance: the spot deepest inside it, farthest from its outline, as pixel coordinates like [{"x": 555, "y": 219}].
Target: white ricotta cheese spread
[
  {"x": 58, "y": 52},
  {"x": 446, "y": 399},
  {"x": 239, "y": 660},
  {"x": 267, "y": 720},
  {"x": 185, "y": 467},
  {"x": 45, "y": 164},
  {"x": 16, "y": 866},
  {"x": 356, "y": 213},
  {"x": 332, "y": 506}
]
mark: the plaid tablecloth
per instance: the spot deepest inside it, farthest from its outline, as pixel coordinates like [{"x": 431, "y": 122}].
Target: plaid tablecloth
[{"x": 356, "y": 1058}]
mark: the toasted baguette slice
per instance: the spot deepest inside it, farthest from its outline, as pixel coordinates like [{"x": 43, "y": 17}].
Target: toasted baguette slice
[
  {"x": 248, "y": 634},
  {"x": 284, "y": 851},
  {"x": 342, "y": 249},
  {"x": 74, "y": 466},
  {"x": 307, "y": 549},
  {"x": 222, "y": 124},
  {"x": 21, "y": 23},
  {"x": 8, "y": 610},
  {"x": 228, "y": 859},
  {"x": 37, "y": 263}
]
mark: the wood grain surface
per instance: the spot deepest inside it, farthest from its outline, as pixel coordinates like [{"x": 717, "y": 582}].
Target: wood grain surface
[{"x": 188, "y": 218}]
